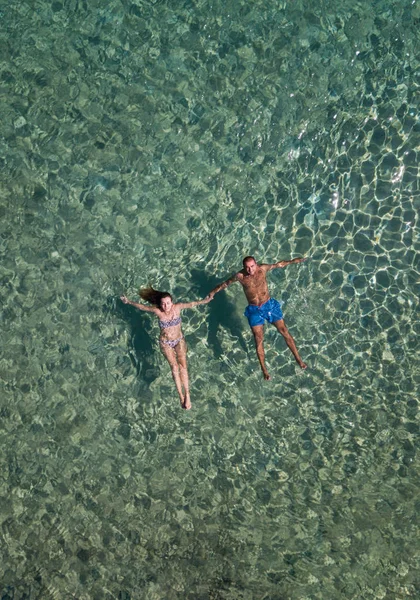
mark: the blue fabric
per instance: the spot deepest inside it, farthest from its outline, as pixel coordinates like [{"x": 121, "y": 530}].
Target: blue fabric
[{"x": 269, "y": 311}]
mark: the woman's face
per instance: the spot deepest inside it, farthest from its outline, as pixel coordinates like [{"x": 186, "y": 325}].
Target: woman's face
[{"x": 166, "y": 304}]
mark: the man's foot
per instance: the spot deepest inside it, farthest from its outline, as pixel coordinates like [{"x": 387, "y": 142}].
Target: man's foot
[
  {"x": 267, "y": 377},
  {"x": 187, "y": 402},
  {"x": 302, "y": 365}
]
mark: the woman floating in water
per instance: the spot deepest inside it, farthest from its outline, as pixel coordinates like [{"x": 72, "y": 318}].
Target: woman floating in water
[{"x": 172, "y": 342}]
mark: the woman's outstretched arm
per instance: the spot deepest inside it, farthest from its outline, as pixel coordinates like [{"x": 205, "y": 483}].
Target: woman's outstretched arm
[
  {"x": 182, "y": 305},
  {"x": 137, "y": 305}
]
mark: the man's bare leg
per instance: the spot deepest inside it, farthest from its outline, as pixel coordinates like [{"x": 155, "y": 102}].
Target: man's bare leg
[
  {"x": 281, "y": 327},
  {"x": 170, "y": 356},
  {"x": 258, "y": 331},
  {"x": 181, "y": 354}
]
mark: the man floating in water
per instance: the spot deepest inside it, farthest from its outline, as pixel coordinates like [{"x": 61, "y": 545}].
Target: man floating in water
[{"x": 260, "y": 306}]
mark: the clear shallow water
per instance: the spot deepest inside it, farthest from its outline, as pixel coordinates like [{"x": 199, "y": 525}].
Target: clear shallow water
[{"x": 163, "y": 142}]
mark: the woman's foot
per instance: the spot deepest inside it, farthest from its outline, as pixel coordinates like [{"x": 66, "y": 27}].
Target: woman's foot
[
  {"x": 187, "y": 402},
  {"x": 267, "y": 377}
]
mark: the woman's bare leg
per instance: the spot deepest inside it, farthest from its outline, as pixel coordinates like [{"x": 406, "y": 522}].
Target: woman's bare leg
[
  {"x": 170, "y": 355},
  {"x": 181, "y": 354}
]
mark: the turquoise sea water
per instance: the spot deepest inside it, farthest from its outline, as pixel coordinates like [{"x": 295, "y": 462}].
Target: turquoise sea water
[{"x": 160, "y": 142}]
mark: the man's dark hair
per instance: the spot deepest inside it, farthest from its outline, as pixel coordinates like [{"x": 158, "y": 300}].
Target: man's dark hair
[{"x": 247, "y": 258}]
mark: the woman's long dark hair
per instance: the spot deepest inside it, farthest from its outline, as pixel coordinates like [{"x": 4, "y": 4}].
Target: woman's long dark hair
[{"x": 153, "y": 296}]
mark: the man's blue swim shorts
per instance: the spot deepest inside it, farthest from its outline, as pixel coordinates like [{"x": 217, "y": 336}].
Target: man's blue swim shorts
[{"x": 269, "y": 311}]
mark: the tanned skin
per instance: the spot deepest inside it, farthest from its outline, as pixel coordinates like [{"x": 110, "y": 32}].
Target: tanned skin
[
  {"x": 176, "y": 357},
  {"x": 253, "y": 278}
]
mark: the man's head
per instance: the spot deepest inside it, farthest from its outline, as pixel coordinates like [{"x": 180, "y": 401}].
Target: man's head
[{"x": 250, "y": 265}]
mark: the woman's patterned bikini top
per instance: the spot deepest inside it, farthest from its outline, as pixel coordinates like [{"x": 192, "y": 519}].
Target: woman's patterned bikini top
[{"x": 171, "y": 323}]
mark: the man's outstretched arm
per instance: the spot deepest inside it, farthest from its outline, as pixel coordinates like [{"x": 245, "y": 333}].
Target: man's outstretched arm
[
  {"x": 224, "y": 285},
  {"x": 282, "y": 263}
]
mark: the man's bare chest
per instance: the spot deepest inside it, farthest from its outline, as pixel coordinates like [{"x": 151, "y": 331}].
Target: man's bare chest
[{"x": 254, "y": 284}]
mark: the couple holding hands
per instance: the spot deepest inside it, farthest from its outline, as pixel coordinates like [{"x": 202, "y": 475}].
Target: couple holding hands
[{"x": 260, "y": 308}]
